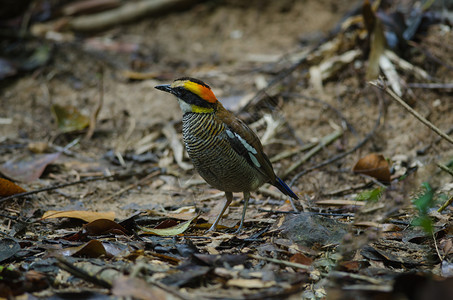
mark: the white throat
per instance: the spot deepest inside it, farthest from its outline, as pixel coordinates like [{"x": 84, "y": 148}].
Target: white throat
[{"x": 185, "y": 107}]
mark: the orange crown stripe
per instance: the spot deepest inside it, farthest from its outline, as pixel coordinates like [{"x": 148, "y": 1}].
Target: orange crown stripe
[{"x": 202, "y": 91}]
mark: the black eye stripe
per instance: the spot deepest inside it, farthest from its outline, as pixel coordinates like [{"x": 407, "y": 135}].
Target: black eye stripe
[{"x": 191, "y": 98}]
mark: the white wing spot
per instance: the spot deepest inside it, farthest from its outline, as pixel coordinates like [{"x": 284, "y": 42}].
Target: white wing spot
[
  {"x": 230, "y": 134},
  {"x": 246, "y": 145},
  {"x": 254, "y": 160}
]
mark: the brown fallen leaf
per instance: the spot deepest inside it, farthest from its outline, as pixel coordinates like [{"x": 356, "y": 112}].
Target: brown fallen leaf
[
  {"x": 301, "y": 259},
  {"x": 27, "y": 168},
  {"x": 85, "y": 215},
  {"x": 138, "y": 289},
  {"x": 97, "y": 227},
  {"x": 374, "y": 165},
  {"x": 103, "y": 226},
  {"x": 93, "y": 249},
  {"x": 8, "y": 188}
]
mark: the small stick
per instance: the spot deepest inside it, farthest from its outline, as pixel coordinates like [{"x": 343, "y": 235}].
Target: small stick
[
  {"x": 341, "y": 274},
  {"x": 380, "y": 84},
  {"x": 133, "y": 185},
  {"x": 289, "y": 153},
  {"x": 326, "y": 140},
  {"x": 54, "y": 187},
  {"x": 431, "y": 85},
  {"x": 437, "y": 248},
  {"x": 446, "y": 204},
  {"x": 80, "y": 273},
  {"x": 341, "y": 155},
  {"x": 281, "y": 262},
  {"x": 99, "y": 104},
  {"x": 445, "y": 168}
]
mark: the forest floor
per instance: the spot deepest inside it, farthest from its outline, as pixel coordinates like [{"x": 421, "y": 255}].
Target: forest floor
[{"x": 80, "y": 117}]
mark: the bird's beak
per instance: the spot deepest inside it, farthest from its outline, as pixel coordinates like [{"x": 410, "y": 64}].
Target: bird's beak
[{"x": 165, "y": 88}]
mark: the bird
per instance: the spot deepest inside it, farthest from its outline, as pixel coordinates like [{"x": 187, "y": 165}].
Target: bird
[{"x": 227, "y": 154}]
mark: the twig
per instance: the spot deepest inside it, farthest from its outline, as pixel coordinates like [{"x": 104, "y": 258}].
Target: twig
[
  {"x": 445, "y": 168},
  {"x": 125, "y": 13},
  {"x": 88, "y": 179},
  {"x": 431, "y": 85},
  {"x": 430, "y": 56},
  {"x": 347, "y": 190},
  {"x": 380, "y": 84},
  {"x": 368, "y": 288},
  {"x": 99, "y": 104},
  {"x": 342, "y": 275},
  {"x": 289, "y": 153},
  {"x": 446, "y": 204},
  {"x": 282, "y": 75},
  {"x": 324, "y": 103},
  {"x": 281, "y": 262},
  {"x": 326, "y": 140},
  {"x": 437, "y": 248},
  {"x": 82, "y": 274},
  {"x": 277, "y": 211},
  {"x": 341, "y": 155},
  {"x": 133, "y": 185},
  {"x": 423, "y": 150}
]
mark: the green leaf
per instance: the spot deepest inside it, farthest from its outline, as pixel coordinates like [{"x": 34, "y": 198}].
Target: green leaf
[
  {"x": 371, "y": 195},
  {"x": 169, "y": 231},
  {"x": 69, "y": 118},
  {"x": 424, "y": 201},
  {"x": 424, "y": 222}
]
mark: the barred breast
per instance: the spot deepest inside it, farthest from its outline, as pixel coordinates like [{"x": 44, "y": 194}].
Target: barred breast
[{"x": 213, "y": 156}]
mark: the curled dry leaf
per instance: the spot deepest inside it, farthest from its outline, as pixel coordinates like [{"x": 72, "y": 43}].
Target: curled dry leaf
[
  {"x": 88, "y": 216},
  {"x": 374, "y": 165},
  {"x": 93, "y": 248},
  {"x": 169, "y": 231},
  {"x": 8, "y": 188},
  {"x": 97, "y": 227},
  {"x": 69, "y": 118},
  {"x": 103, "y": 226}
]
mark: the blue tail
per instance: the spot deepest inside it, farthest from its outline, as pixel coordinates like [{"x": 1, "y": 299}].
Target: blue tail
[{"x": 285, "y": 189}]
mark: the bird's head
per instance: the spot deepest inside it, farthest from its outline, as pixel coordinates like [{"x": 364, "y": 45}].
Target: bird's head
[{"x": 193, "y": 95}]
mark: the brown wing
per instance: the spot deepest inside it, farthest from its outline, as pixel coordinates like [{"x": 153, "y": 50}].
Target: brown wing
[{"x": 245, "y": 142}]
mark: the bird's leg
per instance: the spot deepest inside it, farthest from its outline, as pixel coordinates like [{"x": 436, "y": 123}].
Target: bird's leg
[
  {"x": 246, "y": 203},
  {"x": 229, "y": 198}
]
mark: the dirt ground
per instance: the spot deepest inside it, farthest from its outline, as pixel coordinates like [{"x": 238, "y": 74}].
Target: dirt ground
[{"x": 238, "y": 48}]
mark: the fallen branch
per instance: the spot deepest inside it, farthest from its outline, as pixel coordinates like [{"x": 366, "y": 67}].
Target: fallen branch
[
  {"x": 326, "y": 140},
  {"x": 133, "y": 185},
  {"x": 88, "y": 179},
  {"x": 125, "y": 13},
  {"x": 445, "y": 168},
  {"x": 341, "y": 155},
  {"x": 381, "y": 85},
  {"x": 445, "y": 205},
  {"x": 281, "y": 262}
]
